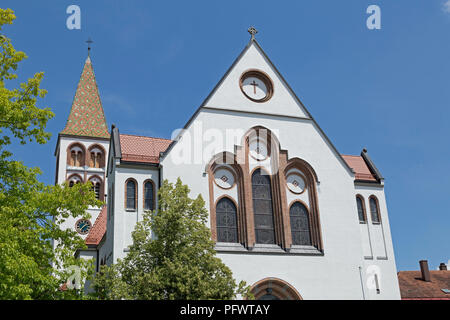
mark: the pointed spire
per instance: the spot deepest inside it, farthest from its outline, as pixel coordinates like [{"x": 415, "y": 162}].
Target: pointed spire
[{"x": 86, "y": 116}]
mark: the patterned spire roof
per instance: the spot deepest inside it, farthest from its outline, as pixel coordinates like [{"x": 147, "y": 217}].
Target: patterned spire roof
[{"x": 86, "y": 117}]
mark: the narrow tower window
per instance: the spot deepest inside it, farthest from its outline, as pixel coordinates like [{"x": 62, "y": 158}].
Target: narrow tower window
[
  {"x": 148, "y": 196},
  {"x": 374, "y": 211},
  {"x": 361, "y": 211},
  {"x": 131, "y": 195}
]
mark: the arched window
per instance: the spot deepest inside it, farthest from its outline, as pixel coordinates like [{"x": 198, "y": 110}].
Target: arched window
[
  {"x": 361, "y": 209},
  {"x": 299, "y": 216},
  {"x": 262, "y": 208},
  {"x": 149, "y": 201},
  {"x": 96, "y": 183},
  {"x": 130, "y": 194},
  {"x": 374, "y": 210},
  {"x": 74, "y": 179},
  {"x": 96, "y": 156},
  {"x": 75, "y": 155},
  {"x": 226, "y": 215},
  {"x": 274, "y": 289}
]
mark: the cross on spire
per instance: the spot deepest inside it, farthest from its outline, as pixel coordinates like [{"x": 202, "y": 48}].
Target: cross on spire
[
  {"x": 89, "y": 41},
  {"x": 252, "y": 30}
]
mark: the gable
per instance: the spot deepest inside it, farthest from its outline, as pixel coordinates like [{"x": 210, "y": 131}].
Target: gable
[{"x": 229, "y": 96}]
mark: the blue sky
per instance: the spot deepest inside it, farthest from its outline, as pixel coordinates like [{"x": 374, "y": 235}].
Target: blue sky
[{"x": 156, "y": 61}]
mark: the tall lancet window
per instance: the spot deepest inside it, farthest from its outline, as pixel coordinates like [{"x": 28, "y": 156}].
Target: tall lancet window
[
  {"x": 130, "y": 199},
  {"x": 149, "y": 202},
  {"x": 374, "y": 210},
  {"x": 361, "y": 211},
  {"x": 262, "y": 208},
  {"x": 226, "y": 215},
  {"x": 300, "y": 224}
]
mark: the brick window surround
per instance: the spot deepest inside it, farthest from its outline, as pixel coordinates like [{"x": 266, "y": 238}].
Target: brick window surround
[
  {"x": 374, "y": 210},
  {"x": 153, "y": 194},
  {"x": 281, "y": 289},
  {"x": 363, "y": 208},
  {"x": 239, "y": 162},
  {"x": 135, "y": 194}
]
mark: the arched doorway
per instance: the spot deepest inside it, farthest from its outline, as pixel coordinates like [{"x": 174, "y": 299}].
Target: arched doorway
[{"x": 274, "y": 289}]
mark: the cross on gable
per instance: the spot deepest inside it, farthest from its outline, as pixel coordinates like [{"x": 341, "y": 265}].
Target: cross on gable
[
  {"x": 254, "y": 84},
  {"x": 252, "y": 30}
]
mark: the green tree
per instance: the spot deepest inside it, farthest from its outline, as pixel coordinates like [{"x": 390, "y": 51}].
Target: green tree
[
  {"x": 172, "y": 255},
  {"x": 30, "y": 211}
]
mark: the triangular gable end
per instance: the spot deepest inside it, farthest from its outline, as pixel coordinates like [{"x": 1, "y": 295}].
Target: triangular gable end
[
  {"x": 234, "y": 100},
  {"x": 227, "y": 94}
]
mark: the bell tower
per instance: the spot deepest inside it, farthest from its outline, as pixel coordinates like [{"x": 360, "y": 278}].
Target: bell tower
[{"x": 82, "y": 146}]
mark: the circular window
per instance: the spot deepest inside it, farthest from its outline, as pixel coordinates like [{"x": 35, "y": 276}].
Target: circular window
[
  {"x": 258, "y": 149},
  {"x": 296, "y": 183},
  {"x": 83, "y": 226},
  {"x": 224, "y": 178},
  {"x": 256, "y": 86}
]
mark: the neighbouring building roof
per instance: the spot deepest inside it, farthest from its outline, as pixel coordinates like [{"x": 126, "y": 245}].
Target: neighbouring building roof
[
  {"x": 142, "y": 149},
  {"x": 360, "y": 167},
  {"x": 98, "y": 230},
  {"x": 414, "y": 288},
  {"x": 86, "y": 116}
]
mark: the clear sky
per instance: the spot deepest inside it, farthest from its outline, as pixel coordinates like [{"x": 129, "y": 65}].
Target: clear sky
[{"x": 156, "y": 61}]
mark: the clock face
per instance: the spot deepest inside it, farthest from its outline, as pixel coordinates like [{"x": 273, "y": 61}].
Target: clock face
[
  {"x": 83, "y": 226},
  {"x": 256, "y": 86}
]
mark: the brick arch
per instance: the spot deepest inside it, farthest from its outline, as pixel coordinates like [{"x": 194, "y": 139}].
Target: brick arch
[
  {"x": 69, "y": 153},
  {"x": 363, "y": 202},
  {"x": 311, "y": 184},
  {"x": 303, "y": 166},
  {"x": 275, "y": 153},
  {"x": 74, "y": 175},
  {"x": 276, "y": 287},
  {"x": 153, "y": 193},
  {"x": 135, "y": 194},
  {"x": 216, "y": 162},
  {"x": 378, "y": 213},
  {"x": 102, "y": 159},
  {"x": 102, "y": 186},
  {"x": 271, "y": 138}
]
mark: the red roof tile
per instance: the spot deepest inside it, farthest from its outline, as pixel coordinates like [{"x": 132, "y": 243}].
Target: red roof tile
[
  {"x": 98, "y": 230},
  {"x": 142, "y": 149},
  {"x": 413, "y": 287},
  {"x": 362, "y": 171}
]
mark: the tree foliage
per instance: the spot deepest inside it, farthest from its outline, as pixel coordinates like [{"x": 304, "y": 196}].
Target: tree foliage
[
  {"x": 172, "y": 255},
  {"x": 30, "y": 211}
]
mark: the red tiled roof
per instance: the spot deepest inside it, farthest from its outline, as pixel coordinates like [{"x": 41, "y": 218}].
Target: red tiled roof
[
  {"x": 413, "y": 287},
  {"x": 98, "y": 230},
  {"x": 362, "y": 171},
  {"x": 142, "y": 149}
]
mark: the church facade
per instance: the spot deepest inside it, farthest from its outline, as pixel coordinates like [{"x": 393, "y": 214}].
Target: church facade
[{"x": 289, "y": 214}]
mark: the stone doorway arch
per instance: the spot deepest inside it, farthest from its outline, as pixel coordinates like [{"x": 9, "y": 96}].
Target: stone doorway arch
[{"x": 274, "y": 289}]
